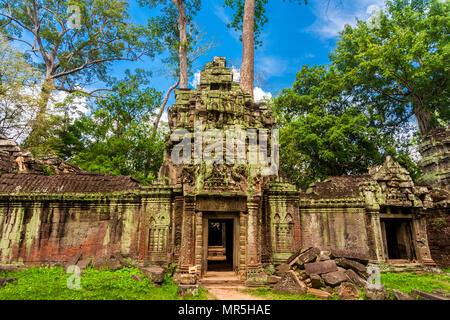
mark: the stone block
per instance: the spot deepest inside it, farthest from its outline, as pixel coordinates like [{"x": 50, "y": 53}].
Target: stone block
[
  {"x": 355, "y": 278},
  {"x": 316, "y": 281},
  {"x": 348, "y": 291},
  {"x": 319, "y": 293},
  {"x": 290, "y": 284},
  {"x": 320, "y": 267},
  {"x": 421, "y": 295},
  {"x": 188, "y": 289},
  {"x": 154, "y": 273},
  {"x": 273, "y": 279},
  {"x": 354, "y": 265},
  {"x": 376, "y": 292},
  {"x": 401, "y": 296},
  {"x": 352, "y": 255},
  {"x": 335, "y": 278}
]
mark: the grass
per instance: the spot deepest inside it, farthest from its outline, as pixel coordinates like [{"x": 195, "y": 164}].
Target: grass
[
  {"x": 405, "y": 282},
  {"x": 51, "y": 284},
  {"x": 267, "y": 293}
]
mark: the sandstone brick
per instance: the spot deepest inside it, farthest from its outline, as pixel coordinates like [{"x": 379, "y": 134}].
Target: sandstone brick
[{"x": 320, "y": 267}]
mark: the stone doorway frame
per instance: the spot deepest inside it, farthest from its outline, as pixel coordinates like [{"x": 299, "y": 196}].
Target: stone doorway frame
[
  {"x": 238, "y": 247},
  {"x": 407, "y": 218}
]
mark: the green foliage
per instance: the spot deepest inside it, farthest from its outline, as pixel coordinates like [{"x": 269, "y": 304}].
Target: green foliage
[
  {"x": 405, "y": 282},
  {"x": 116, "y": 137},
  {"x": 79, "y": 55},
  {"x": 401, "y": 68},
  {"x": 17, "y": 80},
  {"x": 166, "y": 29},
  {"x": 47, "y": 171},
  {"x": 51, "y": 284},
  {"x": 260, "y": 15}
]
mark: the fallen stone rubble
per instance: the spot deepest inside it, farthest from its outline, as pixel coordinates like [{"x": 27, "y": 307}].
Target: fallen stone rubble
[{"x": 323, "y": 273}]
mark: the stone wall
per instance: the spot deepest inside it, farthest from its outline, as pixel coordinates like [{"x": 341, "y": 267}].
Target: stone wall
[
  {"x": 438, "y": 226},
  {"x": 335, "y": 226}
]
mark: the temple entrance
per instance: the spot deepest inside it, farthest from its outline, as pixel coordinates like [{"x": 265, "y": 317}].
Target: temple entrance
[
  {"x": 220, "y": 234},
  {"x": 398, "y": 240},
  {"x": 220, "y": 245}
]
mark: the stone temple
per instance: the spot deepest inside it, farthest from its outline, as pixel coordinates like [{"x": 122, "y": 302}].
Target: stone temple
[{"x": 205, "y": 215}]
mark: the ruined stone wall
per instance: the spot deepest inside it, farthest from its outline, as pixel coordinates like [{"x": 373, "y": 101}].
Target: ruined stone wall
[
  {"x": 438, "y": 227},
  {"x": 334, "y": 226},
  {"x": 36, "y": 229}
]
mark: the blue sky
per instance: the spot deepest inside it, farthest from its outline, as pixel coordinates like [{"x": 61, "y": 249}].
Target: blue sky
[{"x": 295, "y": 35}]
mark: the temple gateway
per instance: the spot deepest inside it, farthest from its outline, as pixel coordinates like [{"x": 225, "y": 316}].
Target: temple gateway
[{"x": 206, "y": 215}]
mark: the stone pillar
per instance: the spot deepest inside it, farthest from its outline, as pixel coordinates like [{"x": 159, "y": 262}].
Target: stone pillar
[
  {"x": 187, "y": 252},
  {"x": 199, "y": 242},
  {"x": 254, "y": 266},
  {"x": 375, "y": 237},
  {"x": 419, "y": 230}
]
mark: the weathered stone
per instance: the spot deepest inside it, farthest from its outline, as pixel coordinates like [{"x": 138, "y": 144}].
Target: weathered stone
[
  {"x": 308, "y": 256},
  {"x": 273, "y": 279},
  {"x": 137, "y": 278},
  {"x": 320, "y": 267},
  {"x": 355, "y": 266},
  {"x": 154, "y": 273},
  {"x": 319, "y": 293},
  {"x": 376, "y": 292},
  {"x": 401, "y": 296},
  {"x": 301, "y": 274},
  {"x": 355, "y": 278},
  {"x": 335, "y": 278},
  {"x": 360, "y": 257},
  {"x": 83, "y": 263},
  {"x": 73, "y": 260},
  {"x": 316, "y": 281},
  {"x": 348, "y": 291},
  {"x": 188, "y": 289},
  {"x": 324, "y": 255},
  {"x": 290, "y": 284},
  {"x": 4, "y": 281},
  {"x": 421, "y": 295},
  {"x": 283, "y": 268}
]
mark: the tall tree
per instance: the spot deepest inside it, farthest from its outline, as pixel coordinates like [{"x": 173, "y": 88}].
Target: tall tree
[
  {"x": 72, "y": 55},
  {"x": 179, "y": 34},
  {"x": 116, "y": 137},
  {"x": 249, "y": 17},
  {"x": 17, "y": 83},
  {"x": 400, "y": 69}
]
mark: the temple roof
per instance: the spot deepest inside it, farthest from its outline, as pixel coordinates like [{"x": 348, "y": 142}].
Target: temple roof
[
  {"x": 336, "y": 187},
  {"x": 65, "y": 183}
]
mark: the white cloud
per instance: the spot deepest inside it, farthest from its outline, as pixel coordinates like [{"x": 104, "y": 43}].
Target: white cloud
[
  {"x": 261, "y": 95},
  {"x": 196, "y": 80},
  {"x": 236, "y": 74},
  {"x": 330, "y": 20}
]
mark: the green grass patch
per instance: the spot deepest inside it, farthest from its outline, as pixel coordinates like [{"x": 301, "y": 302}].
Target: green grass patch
[
  {"x": 406, "y": 282},
  {"x": 51, "y": 284},
  {"x": 268, "y": 294}
]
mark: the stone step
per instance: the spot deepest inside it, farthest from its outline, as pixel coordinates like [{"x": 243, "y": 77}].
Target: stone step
[
  {"x": 224, "y": 287},
  {"x": 227, "y": 282}
]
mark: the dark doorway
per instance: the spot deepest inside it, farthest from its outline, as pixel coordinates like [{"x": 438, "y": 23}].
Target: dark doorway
[
  {"x": 220, "y": 244},
  {"x": 398, "y": 237}
]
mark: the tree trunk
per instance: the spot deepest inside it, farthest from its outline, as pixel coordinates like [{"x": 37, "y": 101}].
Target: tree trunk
[
  {"x": 424, "y": 117},
  {"x": 38, "y": 126},
  {"x": 248, "y": 47},
  {"x": 183, "y": 43}
]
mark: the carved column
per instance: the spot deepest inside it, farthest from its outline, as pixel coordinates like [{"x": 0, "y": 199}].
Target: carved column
[
  {"x": 253, "y": 254},
  {"x": 187, "y": 253}
]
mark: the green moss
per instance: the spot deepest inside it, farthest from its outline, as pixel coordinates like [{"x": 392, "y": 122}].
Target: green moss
[
  {"x": 51, "y": 284},
  {"x": 406, "y": 282}
]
